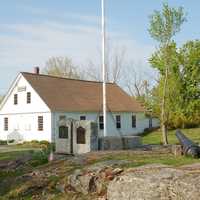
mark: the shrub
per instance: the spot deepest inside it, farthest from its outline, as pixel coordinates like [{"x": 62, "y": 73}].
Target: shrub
[
  {"x": 39, "y": 158},
  {"x": 44, "y": 142},
  {"x": 44, "y": 145},
  {"x": 3, "y": 142}
]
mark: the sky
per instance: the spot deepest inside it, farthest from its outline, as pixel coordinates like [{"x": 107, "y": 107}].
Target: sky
[{"x": 32, "y": 31}]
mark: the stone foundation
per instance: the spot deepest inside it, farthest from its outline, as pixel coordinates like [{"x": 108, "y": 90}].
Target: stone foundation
[{"x": 120, "y": 143}]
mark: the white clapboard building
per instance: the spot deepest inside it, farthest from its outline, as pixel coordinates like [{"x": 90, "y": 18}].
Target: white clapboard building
[{"x": 35, "y": 103}]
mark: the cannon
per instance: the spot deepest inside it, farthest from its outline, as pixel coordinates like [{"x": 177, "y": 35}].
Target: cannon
[{"x": 188, "y": 146}]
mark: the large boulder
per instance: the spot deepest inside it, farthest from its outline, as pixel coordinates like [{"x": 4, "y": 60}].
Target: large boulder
[
  {"x": 83, "y": 183},
  {"x": 94, "y": 179},
  {"x": 155, "y": 183}
]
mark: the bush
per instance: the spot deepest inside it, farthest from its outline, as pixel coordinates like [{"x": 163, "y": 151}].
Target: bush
[
  {"x": 44, "y": 142},
  {"x": 44, "y": 145},
  {"x": 3, "y": 142},
  {"x": 39, "y": 158}
]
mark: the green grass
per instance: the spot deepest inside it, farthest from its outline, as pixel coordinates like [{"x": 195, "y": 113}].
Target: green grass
[
  {"x": 141, "y": 158},
  {"x": 8, "y": 156},
  {"x": 16, "y": 188},
  {"x": 156, "y": 136}
]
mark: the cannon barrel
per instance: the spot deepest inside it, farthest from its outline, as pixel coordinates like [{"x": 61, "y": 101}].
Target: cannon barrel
[{"x": 188, "y": 146}]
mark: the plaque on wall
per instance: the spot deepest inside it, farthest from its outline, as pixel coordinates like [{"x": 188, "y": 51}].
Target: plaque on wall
[{"x": 21, "y": 89}]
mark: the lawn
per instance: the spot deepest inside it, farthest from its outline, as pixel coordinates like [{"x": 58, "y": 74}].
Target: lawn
[
  {"x": 156, "y": 136},
  {"x": 139, "y": 158},
  {"x": 21, "y": 184},
  {"x": 44, "y": 184},
  {"x": 12, "y": 152}
]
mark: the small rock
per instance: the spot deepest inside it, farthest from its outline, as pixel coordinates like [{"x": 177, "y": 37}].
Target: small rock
[
  {"x": 60, "y": 188},
  {"x": 99, "y": 186},
  {"x": 117, "y": 171}
]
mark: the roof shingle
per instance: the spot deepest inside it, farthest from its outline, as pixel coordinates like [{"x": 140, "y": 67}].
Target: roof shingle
[{"x": 70, "y": 95}]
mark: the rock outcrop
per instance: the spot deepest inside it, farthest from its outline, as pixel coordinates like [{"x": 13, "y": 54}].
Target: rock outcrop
[
  {"x": 155, "y": 182},
  {"x": 96, "y": 177}
]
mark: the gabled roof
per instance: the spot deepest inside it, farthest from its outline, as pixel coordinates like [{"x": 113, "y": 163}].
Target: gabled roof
[{"x": 70, "y": 95}]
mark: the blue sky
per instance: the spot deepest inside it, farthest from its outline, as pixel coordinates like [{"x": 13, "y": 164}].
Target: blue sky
[{"x": 31, "y": 31}]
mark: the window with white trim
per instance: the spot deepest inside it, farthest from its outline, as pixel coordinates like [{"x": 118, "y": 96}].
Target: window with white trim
[
  {"x": 101, "y": 124},
  {"x": 150, "y": 122},
  {"x": 62, "y": 117},
  {"x": 82, "y": 117},
  {"x": 134, "y": 121},
  {"x": 118, "y": 121}
]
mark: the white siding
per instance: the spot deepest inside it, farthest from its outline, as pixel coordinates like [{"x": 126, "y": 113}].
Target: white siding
[
  {"x": 37, "y": 104},
  {"x": 142, "y": 122},
  {"x": 27, "y": 126},
  {"x": 23, "y": 117}
]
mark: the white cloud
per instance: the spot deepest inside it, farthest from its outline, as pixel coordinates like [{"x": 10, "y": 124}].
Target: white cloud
[
  {"x": 64, "y": 16},
  {"x": 23, "y": 45}
]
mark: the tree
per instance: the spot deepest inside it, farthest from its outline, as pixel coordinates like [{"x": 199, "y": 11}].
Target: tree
[
  {"x": 183, "y": 102},
  {"x": 163, "y": 26},
  {"x": 115, "y": 63},
  {"x": 136, "y": 84},
  {"x": 189, "y": 62},
  {"x": 62, "y": 67}
]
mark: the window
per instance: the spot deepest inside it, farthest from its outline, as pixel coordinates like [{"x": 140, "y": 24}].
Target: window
[
  {"x": 40, "y": 123},
  {"x": 118, "y": 121},
  {"x": 28, "y": 97},
  {"x": 133, "y": 121},
  {"x": 62, "y": 117},
  {"x": 80, "y": 134},
  {"x": 15, "y": 99},
  {"x": 82, "y": 117},
  {"x": 101, "y": 125},
  {"x": 150, "y": 123},
  {"x": 63, "y": 132},
  {"x": 5, "y": 124}
]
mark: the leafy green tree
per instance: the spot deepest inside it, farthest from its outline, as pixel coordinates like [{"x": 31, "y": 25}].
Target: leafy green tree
[
  {"x": 183, "y": 102},
  {"x": 190, "y": 79},
  {"x": 163, "y": 26}
]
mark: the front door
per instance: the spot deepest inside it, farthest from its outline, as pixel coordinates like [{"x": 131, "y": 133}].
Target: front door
[{"x": 63, "y": 141}]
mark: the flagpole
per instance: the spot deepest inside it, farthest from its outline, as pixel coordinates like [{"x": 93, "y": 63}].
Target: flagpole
[{"x": 104, "y": 67}]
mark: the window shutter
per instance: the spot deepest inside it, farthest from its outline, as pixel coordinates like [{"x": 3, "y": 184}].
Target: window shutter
[
  {"x": 28, "y": 97},
  {"x": 40, "y": 123},
  {"x": 15, "y": 99},
  {"x": 5, "y": 124}
]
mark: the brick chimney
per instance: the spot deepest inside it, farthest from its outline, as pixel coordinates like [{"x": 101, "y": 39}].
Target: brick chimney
[{"x": 36, "y": 70}]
